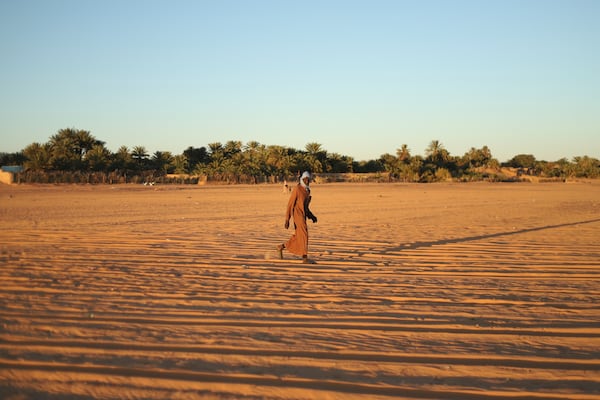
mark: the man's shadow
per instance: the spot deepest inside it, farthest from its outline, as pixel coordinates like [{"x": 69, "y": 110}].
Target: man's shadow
[{"x": 418, "y": 245}]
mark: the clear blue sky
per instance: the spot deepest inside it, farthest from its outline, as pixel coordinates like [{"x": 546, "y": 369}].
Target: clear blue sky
[{"x": 360, "y": 77}]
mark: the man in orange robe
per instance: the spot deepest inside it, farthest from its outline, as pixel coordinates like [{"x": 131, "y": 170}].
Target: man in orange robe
[{"x": 297, "y": 209}]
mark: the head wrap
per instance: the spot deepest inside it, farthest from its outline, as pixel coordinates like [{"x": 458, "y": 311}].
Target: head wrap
[{"x": 305, "y": 174}]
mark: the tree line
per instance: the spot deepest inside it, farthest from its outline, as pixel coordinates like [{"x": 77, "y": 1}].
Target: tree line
[{"x": 76, "y": 156}]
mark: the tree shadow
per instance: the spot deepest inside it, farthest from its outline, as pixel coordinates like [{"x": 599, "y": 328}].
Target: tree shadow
[{"x": 418, "y": 245}]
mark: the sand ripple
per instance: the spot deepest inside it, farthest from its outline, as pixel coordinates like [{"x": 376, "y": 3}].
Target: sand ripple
[{"x": 474, "y": 291}]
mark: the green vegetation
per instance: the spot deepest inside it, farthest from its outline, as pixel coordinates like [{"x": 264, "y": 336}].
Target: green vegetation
[{"x": 75, "y": 156}]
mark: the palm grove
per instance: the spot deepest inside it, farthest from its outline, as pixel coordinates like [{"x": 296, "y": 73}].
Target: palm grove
[{"x": 76, "y": 156}]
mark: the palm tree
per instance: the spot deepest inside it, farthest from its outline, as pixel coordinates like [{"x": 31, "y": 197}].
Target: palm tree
[
  {"x": 37, "y": 155},
  {"x": 313, "y": 148},
  {"x": 161, "y": 160},
  {"x": 232, "y": 147},
  {"x": 301, "y": 161},
  {"x": 64, "y": 153},
  {"x": 180, "y": 164},
  {"x": 437, "y": 154},
  {"x": 252, "y": 145},
  {"x": 97, "y": 157},
  {"x": 478, "y": 157},
  {"x": 403, "y": 154},
  {"x": 316, "y": 157},
  {"x": 215, "y": 147},
  {"x": 85, "y": 142},
  {"x": 122, "y": 159},
  {"x": 312, "y": 163},
  {"x": 69, "y": 146},
  {"x": 339, "y": 163},
  {"x": 434, "y": 150},
  {"x": 253, "y": 162},
  {"x": 278, "y": 161},
  {"x": 216, "y": 166},
  {"x": 390, "y": 163},
  {"x": 196, "y": 156},
  {"x": 139, "y": 154}
]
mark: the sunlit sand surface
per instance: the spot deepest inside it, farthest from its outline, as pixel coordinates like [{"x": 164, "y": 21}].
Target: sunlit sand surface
[{"x": 437, "y": 291}]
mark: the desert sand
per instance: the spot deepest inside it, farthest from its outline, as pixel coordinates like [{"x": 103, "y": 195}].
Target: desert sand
[{"x": 436, "y": 291}]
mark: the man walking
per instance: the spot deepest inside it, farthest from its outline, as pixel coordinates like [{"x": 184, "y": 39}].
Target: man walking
[{"x": 298, "y": 209}]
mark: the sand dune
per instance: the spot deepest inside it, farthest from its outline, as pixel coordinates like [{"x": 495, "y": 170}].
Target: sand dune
[{"x": 449, "y": 291}]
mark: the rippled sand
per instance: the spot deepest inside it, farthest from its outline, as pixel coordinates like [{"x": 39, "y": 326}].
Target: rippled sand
[{"x": 437, "y": 291}]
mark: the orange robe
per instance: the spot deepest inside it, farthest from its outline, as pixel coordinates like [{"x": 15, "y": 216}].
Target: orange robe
[{"x": 297, "y": 208}]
